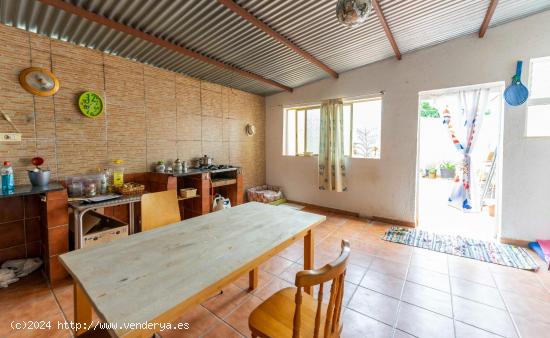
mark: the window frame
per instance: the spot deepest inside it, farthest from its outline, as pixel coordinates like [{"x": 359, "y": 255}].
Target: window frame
[
  {"x": 296, "y": 109},
  {"x": 539, "y": 101},
  {"x": 312, "y": 107},
  {"x": 350, "y": 104}
]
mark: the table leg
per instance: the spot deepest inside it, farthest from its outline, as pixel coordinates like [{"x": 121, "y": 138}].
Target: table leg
[
  {"x": 77, "y": 229},
  {"x": 308, "y": 255},
  {"x": 131, "y": 218},
  {"x": 253, "y": 279},
  {"x": 82, "y": 310}
]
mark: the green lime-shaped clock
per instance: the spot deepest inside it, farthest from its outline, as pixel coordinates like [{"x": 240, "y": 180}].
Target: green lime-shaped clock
[{"x": 90, "y": 104}]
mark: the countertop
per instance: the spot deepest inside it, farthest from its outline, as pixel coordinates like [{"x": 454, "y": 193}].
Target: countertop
[
  {"x": 27, "y": 189},
  {"x": 195, "y": 171}
]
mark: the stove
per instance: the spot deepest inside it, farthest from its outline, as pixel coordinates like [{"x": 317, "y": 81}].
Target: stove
[{"x": 216, "y": 168}]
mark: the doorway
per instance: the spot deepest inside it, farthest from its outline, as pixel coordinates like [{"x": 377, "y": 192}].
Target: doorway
[{"x": 459, "y": 160}]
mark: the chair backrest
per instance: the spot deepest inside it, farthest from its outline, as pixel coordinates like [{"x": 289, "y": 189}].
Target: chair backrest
[
  {"x": 335, "y": 273},
  {"x": 159, "y": 209}
]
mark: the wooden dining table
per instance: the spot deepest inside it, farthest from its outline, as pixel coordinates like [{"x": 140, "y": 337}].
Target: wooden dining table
[{"x": 153, "y": 277}]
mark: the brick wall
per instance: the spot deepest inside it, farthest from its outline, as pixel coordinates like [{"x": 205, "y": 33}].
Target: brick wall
[{"x": 150, "y": 114}]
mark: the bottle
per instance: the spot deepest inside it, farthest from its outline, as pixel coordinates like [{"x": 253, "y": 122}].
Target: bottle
[
  {"x": 103, "y": 182},
  {"x": 118, "y": 173},
  {"x": 8, "y": 183}
]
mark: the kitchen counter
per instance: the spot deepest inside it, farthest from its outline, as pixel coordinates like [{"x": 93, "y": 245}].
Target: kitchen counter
[
  {"x": 27, "y": 189},
  {"x": 196, "y": 171}
]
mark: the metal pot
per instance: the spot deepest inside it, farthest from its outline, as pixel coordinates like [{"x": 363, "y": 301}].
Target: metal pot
[
  {"x": 205, "y": 160},
  {"x": 39, "y": 178}
]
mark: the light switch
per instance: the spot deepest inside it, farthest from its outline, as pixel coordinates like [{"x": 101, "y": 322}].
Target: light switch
[{"x": 10, "y": 137}]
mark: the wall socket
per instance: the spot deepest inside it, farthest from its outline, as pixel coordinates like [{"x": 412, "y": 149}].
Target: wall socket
[{"x": 10, "y": 137}]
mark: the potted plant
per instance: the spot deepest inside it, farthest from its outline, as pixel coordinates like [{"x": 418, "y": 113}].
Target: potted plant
[
  {"x": 447, "y": 169},
  {"x": 161, "y": 167},
  {"x": 432, "y": 172}
]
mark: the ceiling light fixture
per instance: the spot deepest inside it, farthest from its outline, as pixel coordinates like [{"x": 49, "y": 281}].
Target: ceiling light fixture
[{"x": 353, "y": 13}]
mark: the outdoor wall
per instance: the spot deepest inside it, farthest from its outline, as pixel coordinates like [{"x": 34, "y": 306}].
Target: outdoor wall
[
  {"x": 150, "y": 115},
  {"x": 386, "y": 187}
]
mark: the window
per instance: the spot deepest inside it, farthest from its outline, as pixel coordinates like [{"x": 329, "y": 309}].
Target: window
[
  {"x": 538, "y": 104},
  {"x": 302, "y": 127},
  {"x": 362, "y": 123}
]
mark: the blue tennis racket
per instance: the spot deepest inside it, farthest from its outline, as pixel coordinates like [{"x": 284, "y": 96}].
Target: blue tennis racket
[{"x": 516, "y": 94}]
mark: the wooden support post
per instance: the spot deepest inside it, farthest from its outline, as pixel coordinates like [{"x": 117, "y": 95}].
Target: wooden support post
[
  {"x": 253, "y": 279},
  {"x": 308, "y": 255},
  {"x": 82, "y": 310}
]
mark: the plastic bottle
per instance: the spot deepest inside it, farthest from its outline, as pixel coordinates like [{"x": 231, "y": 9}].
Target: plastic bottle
[
  {"x": 118, "y": 173},
  {"x": 8, "y": 182}
]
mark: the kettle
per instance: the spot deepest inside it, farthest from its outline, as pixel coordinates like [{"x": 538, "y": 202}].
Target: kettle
[{"x": 206, "y": 161}]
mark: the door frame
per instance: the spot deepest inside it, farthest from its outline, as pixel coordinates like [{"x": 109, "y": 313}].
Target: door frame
[{"x": 499, "y": 163}]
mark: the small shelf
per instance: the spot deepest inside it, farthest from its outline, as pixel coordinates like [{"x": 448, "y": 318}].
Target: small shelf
[
  {"x": 223, "y": 181},
  {"x": 187, "y": 198}
]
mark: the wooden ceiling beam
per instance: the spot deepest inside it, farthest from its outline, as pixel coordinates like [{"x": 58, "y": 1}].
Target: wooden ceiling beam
[
  {"x": 78, "y": 11},
  {"x": 487, "y": 19},
  {"x": 243, "y": 13},
  {"x": 387, "y": 30}
]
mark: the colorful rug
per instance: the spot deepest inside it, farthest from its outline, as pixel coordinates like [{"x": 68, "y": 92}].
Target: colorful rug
[{"x": 497, "y": 253}]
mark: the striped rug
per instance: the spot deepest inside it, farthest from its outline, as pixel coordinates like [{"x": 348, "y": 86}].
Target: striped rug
[{"x": 497, "y": 253}]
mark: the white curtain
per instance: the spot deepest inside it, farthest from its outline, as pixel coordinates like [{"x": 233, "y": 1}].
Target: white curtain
[
  {"x": 472, "y": 106},
  {"x": 332, "y": 163}
]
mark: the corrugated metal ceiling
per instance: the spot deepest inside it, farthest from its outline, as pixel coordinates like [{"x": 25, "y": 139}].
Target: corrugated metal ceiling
[{"x": 211, "y": 29}]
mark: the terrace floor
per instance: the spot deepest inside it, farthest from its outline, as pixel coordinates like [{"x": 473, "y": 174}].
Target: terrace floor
[{"x": 391, "y": 290}]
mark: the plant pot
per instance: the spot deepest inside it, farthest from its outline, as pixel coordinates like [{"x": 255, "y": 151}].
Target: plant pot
[
  {"x": 39, "y": 178},
  {"x": 447, "y": 173},
  {"x": 432, "y": 174}
]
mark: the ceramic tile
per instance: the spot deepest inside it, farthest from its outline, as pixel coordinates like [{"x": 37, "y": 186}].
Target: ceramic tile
[
  {"x": 222, "y": 304},
  {"x": 428, "y": 298},
  {"x": 374, "y": 305},
  {"x": 483, "y": 316},
  {"x": 275, "y": 265},
  {"x": 429, "y": 278},
  {"x": 530, "y": 328},
  {"x": 358, "y": 325},
  {"x": 382, "y": 283},
  {"x": 423, "y": 323},
  {"x": 477, "y": 292},
  {"x": 463, "y": 330},
  {"x": 238, "y": 319},
  {"x": 388, "y": 267}
]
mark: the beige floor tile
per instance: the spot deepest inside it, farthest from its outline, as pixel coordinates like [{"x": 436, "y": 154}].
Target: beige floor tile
[
  {"x": 355, "y": 273},
  {"x": 463, "y": 330},
  {"x": 429, "y": 278},
  {"x": 289, "y": 274},
  {"x": 531, "y": 307},
  {"x": 264, "y": 278},
  {"x": 477, "y": 292},
  {"x": 222, "y": 304},
  {"x": 471, "y": 270},
  {"x": 435, "y": 262},
  {"x": 388, "y": 267},
  {"x": 428, "y": 298},
  {"x": 382, "y": 283},
  {"x": 358, "y": 325},
  {"x": 222, "y": 330},
  {"x": 529, "y": 328},
  {"x": 374, "y": 305},
  {"x": 275, "y": 265},
  {"x": 238, "y": 319},
  {"x": 484, "y": 317},
  {"x": 273, "y": 286},
  {"x": 423, "y": 323},
  {"x": 199, "y": 319}
]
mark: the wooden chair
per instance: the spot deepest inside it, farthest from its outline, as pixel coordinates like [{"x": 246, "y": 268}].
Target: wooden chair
[
  {"x": 290, "y": 313},
  {"x": 159, "y": 209}
]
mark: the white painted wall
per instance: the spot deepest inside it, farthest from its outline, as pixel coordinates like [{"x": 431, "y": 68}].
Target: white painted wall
[{"x": 386, "y": 187}]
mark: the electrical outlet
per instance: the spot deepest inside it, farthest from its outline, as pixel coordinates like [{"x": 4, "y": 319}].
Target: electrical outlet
[{"x": 10, "y": 137}]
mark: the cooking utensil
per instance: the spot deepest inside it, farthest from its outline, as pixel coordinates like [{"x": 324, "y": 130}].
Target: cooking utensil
[{"x": 516, "y": 94}]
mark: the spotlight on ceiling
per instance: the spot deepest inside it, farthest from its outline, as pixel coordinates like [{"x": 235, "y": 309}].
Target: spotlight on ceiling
[{"x": 353, "y": 13}]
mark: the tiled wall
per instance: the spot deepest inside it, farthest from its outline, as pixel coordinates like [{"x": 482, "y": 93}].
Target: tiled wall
[{"x": 151, "y": 114}]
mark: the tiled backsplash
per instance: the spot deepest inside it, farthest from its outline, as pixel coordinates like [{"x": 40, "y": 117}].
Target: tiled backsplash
[{"x": 150, "y": 114}]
